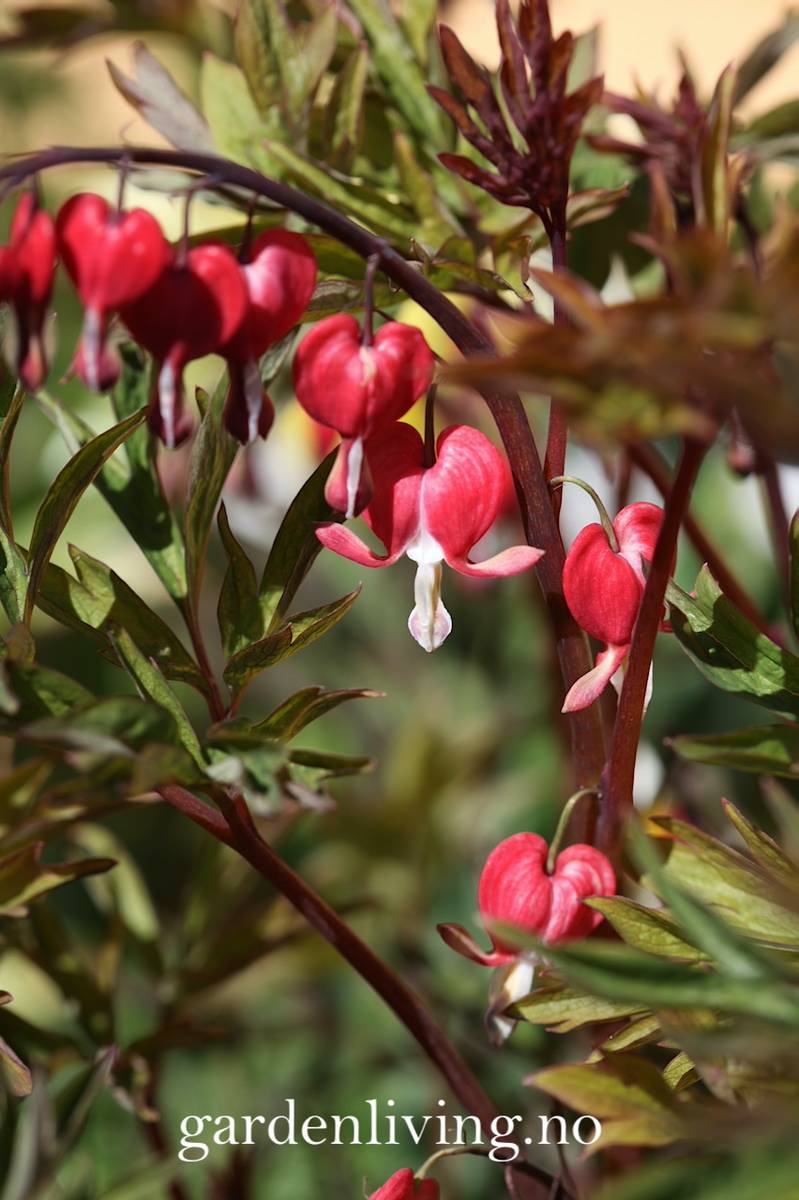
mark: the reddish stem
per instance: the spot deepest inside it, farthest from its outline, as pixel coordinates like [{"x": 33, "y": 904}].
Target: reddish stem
[
  {"x": 236, "y": 828},
  {"x": 558, "y": 432},
  {"x": 617, "y": 783},
  {"x": 650, "y": 462}
]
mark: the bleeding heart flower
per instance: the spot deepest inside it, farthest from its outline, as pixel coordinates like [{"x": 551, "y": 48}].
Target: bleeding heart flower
[
  {"x": 113, "y": 258},
  {"x": 515, "y": 889},
  {"x": 403, "y": 1185},
  {"x": 27, "y": 267},
  {"x": 280, "y": 276},
  {"x": 194, "y": 308},
  {"x": 603, "y": 585},
  {"x": 433, "y": 514},
  {"x": 358, "y": 389}
]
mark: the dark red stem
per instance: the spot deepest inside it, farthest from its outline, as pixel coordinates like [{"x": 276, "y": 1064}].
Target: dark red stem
[
  {"x": 617, "y": 782},
  {"x": 558, "y": 432},
  {"x": 235, "y": 828}
]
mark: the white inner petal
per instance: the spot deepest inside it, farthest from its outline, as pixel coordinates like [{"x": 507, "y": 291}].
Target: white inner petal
[
  {"x": 429, "y": 623},
  {"x": 354, "y": 465}
]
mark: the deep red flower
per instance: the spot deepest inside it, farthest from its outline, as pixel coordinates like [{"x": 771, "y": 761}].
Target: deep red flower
[
  {"x": 194, "y": 308},
  {"x": 603, "y": 588},
  {"x": 357, "y": 390},
  {"x": 433, "y": 514},
  {"x": 515, "y": 889},
  {"x": 27, "y": 268},
  {"x": 280, "y": 276},
  {"x": 113, "y": 258},
  {"x": 404, "y": 1186}
]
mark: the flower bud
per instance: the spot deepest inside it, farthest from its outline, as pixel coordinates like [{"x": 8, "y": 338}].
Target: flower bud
[
  {"x": 113, "y": 258},
  {"x": 359, "y": 389},
  {"x": 516, "y": 889},
  {"x": 27, "y": 267},
  {"x": 194, "y": 308},
  {"x": 603, "y": 586},
  {"x": 403, "y": 1185},
  {"x": 280, "y": 277}
]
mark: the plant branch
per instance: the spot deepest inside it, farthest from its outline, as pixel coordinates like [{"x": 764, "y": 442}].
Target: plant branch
[
  {"x": 236, "y": 829},
  {"x": 778, "y": 523},
  {"x": 617, "y": 784},
  {"x": 558, "y": 433},
  {"x": 540, "y": 523},
  {"x": 649, "y": 461}
]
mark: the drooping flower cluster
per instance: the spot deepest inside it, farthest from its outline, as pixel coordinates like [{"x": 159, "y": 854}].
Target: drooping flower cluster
[
  {"x": 603, "y": 584},
  {"x": 178, "y": 303},
  {"x": 433, "y": 513}
]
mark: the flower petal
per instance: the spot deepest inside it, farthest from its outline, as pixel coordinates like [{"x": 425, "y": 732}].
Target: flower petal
[
  {"x": 429, "y": 623},
  {"x": 514, "y": 888},
  {"x": 346, "y": 543},
  {"x": 589, "y": 686},
  {"x": 464, "y": 491},
  {"x": 637, "y": 527},
  {"x": 602, "y": 589},
  {"x": 512, "y": 561},
  {"x": 395, "y": 458}
]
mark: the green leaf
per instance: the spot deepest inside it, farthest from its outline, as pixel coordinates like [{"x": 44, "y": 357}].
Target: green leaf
[
  {"x": 255, "y": 658},
  {"x": 437, "y": 223},
  {"x": 766, "y": 54},
  {"x": 418, "y": 19},
  {"x": 764, "y": 850},
  {"x": 211, "y": 458},
  {"x": 23, "y": 876},
  {"x": 398, "y": 68},
  {"x": 111, "y": 602},
  {"x": 715, "y": 152},
  {"x": 564, "y": 1008},
  {"x": 646, "y": 928},
  {"x": 16, "y": 1076},
  {"x": 305, "y": 706},
  {"x": 151, "y": 683},
  {"x": 157, "y": 98},
  {"x": 295, "y": 547},
  {"x": 764, "y": 749},
  {"x": 729, "y": 650},
  {"x": 124, "y": 891},
  {"x": 63, "y": 495},
  {"x": 112, "y": 726},
  {"x": 238, "y": 612},
  {"x": 13, "y": 578},
  {"x": 237, "y": 127},
  {"x": 40, "y": 690},
  {"x": 721, "y": 877},
  {"x": 620, "y": 973},
  {"x": 255, "y": 53},
  {"x": 12, "y": 398},
  {"x": 626, "y": 1092},
  {"x": 344, "y": 115},
  {"x": 372, "y": 207}
]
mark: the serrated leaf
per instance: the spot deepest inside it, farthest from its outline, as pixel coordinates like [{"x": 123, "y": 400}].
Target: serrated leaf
[
  {"x": 152, "y": 684},
  {"x": 564, "y": 1008},
  {"x": 238, "y": 611},
  {"x": 646, "y": 928},
  {"x": 305, "y": 706},
  {"x": 295, "y": 547},
  {"x": 729, "y": 650},
  {"x": 157, "y": 98},
  {"x": 63, "y": 495},
  {"x": 23, "y": 876},
  {"x": 764, "y": 749}
]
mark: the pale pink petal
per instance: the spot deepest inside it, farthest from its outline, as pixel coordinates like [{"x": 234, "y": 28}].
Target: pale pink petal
[
  {"x": 590, "y": 686},
  {"x": 637, "y": 527},
  {"x": 344, "y": 542},
  {"x": 512, "y": 561}
]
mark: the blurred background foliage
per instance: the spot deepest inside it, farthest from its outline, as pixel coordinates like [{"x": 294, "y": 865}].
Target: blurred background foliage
[{"x": 215, "y": 991}]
